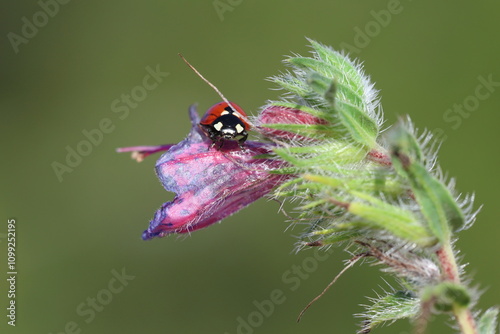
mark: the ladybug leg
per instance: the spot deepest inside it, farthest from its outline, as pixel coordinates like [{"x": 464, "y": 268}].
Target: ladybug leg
[
  {"x": 216, "y": 141},
  {"x": 242, "y": 141},
  {"x": 211, "y": 145},
  {"x": 213, "y": 135}
]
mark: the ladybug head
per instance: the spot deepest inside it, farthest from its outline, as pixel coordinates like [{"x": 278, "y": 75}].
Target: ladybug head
[
  {"x": 229, "y": 126},
  {"x": 224, "y": 121}
]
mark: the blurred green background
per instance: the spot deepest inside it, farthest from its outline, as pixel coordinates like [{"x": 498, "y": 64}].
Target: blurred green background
[{"x": 425, "y": 57}]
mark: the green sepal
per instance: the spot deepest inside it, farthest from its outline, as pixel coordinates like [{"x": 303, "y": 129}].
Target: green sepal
[
  {"x": 366, "y": 183},
  {"x": 293, "y": 85},
  {"x": 360, "y": 126},
  {"x": 322, "y": 86},
  {"x": 447, "y": 296},
  {"x": 487, "y": 324},
  {"x": 321, "y": 71},
  {"x": 312, "y": 204},
  {"x": 286, "y": 171},
  {"x": 350, "y": 74},
  {"x": 395, "y": 306},
  {"x": 441, "y": 211},
  {"x": 402, "y": 140},
  {"x": 401, "y": 223},
  {"x": 331, "y": 155},
  {"x": 436, "y": 202}
]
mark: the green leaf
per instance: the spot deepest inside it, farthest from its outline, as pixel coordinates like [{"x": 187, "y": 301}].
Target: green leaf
[
  {"x": 331, "y": 155},
  {"x": 441, "y": 211},
  {"x": 487, "y": 324},
  {"x": 293, "y": 85},
  {"x": 325, "y": 180},
  {"x": 360, "y": 125},
  {"x": 382, "y": 215},
  {"x": 404, "y": 141},
  {"x": 436, "y": 202},
  {"x": 368, "y": 183},
  {"x": 323, "y": 86},
  {"x": 350, "y": 72},
  {"x": 321, "y": 71},
  {"x": 398, "y": 305}
]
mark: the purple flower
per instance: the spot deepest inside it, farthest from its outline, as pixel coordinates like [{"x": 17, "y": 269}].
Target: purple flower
[{"x": 210, "y": 184}]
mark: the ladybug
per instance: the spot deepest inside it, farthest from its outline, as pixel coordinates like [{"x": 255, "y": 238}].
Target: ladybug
[{"x": 225, "y": 121}]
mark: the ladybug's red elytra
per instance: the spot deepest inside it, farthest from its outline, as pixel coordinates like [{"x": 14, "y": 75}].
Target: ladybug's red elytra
[{"x": 225, "y": 121}]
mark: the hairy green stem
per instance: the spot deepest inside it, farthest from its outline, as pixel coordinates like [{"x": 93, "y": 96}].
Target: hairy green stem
[{"x": 450, "y": 272}]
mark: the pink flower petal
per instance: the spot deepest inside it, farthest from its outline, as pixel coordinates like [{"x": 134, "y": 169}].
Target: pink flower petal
[
  {"x": 210, "y": 183},
  {"x": 141, "y": 152}
]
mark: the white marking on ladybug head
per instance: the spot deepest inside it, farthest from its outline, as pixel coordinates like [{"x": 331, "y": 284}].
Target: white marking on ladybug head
[
  {"x": 225, "y": 112},
  {"x": 228, "y": 133},
  {"x": 239, "y": 128},
  {"x": 218, "y": 126}
]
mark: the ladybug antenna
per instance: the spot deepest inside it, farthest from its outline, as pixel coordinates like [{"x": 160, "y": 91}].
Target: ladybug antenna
[{"x": 208, "y": 82}]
